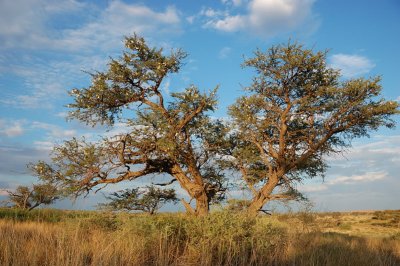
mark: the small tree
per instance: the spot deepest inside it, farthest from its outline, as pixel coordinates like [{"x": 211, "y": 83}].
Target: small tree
[
  {"x": 149, "y": 199},
  {"x": 31, "y": 197},
  {"x": 176, "y": 139},
  {"x": 298, "y": 112}
]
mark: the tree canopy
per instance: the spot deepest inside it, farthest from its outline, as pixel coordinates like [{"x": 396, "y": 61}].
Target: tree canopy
[
  {"x": 175, "y": 138},
  {"x": 296, "y": 113},
  {"x": 28, "y": 198},
  {"x": 148, "y": 199}
]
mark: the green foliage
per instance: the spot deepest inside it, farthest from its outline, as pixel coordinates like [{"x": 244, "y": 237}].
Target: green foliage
[
  {"x": 298, "y": 111},
  {"x": 134, "y": 77},
  {"x": 42, "y": 215},
  {"x": 175, "y": 137},
  {"x": 149, "y": 199},
  {"x": 31, "y": 197}
]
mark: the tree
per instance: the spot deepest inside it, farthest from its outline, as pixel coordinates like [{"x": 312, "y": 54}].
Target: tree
[
  {"x": 176, "y": 139},
  {"x": 297, "y": 112},
  {"x": 31, "y": 197},
  {"x": 147, "y": 200}
]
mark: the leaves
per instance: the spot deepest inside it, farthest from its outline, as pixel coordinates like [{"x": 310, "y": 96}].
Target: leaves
[
  {"x": 148, "y": 199},
  {"x": 298, "y": 112},
  {"x": 31, "y": 197},
  {"x": 173, "y": 138}
]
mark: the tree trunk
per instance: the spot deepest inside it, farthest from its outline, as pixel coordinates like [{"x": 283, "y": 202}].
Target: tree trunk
[
  {"x": 256, "y": 205},
  {"x": 34, "y": 206},
  {"x": 188, "y": 208},
  {"x": 202, "y": 204},
  {"x": 195, "y": 190},
  {"x": 262, "y": 196}
]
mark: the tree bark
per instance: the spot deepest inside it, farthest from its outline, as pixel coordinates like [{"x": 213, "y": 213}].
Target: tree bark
[
  {"x": 196, "y": 191},
  {"x": 187, "y": 206},
  {"x": 256, "y": 205},
  {"x": 33, "y": 207},
  {"x": 202, "y": 204},
  {"x": 263, "y": 196}
]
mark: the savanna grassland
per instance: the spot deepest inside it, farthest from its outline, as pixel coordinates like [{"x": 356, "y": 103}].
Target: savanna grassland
[{"x": 54, "y": 237}]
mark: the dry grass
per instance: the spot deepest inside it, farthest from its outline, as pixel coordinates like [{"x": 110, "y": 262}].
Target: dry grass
[{"x": 84, "y": 238}]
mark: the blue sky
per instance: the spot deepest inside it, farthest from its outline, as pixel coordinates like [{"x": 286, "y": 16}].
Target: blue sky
[{"x": 45, "y": 45}]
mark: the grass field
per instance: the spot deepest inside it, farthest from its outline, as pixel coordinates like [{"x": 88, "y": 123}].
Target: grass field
[{"x": 54, "y": 237}]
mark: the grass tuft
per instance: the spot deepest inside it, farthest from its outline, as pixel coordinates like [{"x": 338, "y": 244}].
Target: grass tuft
[{"x": 53, "y": 237}]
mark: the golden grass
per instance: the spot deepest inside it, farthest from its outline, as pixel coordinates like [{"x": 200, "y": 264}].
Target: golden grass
[{"x": 175, "y": 239}]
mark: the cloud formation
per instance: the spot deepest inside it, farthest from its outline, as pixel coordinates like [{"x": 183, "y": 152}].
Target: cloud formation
[
  {"x": 364, "y": 165},
  {"x": 11, "y": 128},
  {"x": 96, "y": 35},
  {"x": 235, "y": 3},
  {"x": 120, "y": 19},
  {"x": 353, "y": 179},
  {"x": 264, "y": 18},
  {"x": 351, "y": 65},
  {"x": 224, "y": 52},
  {"x": 25, "y": 23}
]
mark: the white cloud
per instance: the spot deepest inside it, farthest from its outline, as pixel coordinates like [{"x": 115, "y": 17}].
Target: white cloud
[
  {"x": 38, "y": 97},
  {"x": 117, "y": 129},
  {"x": 120, "y": 19},
  {"x": 343, "y": 180},
  {"x": 361, "y": 167},
  {"x": 351, "y": 65},
  {"x": 25, "y": 24},
  {"x": 43, "y": 145},
  {"x": 54, "y": 131},
  {"x": 278, "y": 14},
  {"x": 265, "y": 18},
  {"x": 229, "y": 23},
  {"x": 3, "y": 192},
  {"x": 45, "y": 82},
  {"x": 11, "y": 128},
  {"x": 312, "y": 188},
  {"x": 88, "y": 44},
  {"x": 62, "y": 115},
  {"x": 209, "y": 12},
  {"x": 224, "y": 52},
  {"x": 190, "y": 19},
  {"x": 367, "y": 177},
  {"x": 235, "y": 3}
]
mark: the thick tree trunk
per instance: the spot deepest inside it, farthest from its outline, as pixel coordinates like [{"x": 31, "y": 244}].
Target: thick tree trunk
[
  {"x": 263, "y": 196},
  {"x": 202, "y": 205},
  {"x": 256, "y": 205},
  {"x": 195, "y": 191}
]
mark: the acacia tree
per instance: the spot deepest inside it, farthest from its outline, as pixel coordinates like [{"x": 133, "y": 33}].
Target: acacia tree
[
  {"x": 31, "y": 197},
  {"x": 297, "y": 112},
  {"x": 149, "y": 199},
  {"x": 176, "y": 139}
]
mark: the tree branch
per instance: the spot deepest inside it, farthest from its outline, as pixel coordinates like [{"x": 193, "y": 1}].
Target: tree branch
[
  {"x": 165, "y": 184},
  {"x": 190, "y": 116},
  {"x": 187, "y": 206}
]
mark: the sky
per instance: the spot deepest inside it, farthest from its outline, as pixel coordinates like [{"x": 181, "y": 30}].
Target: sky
[{"x": 46, "y": 46}]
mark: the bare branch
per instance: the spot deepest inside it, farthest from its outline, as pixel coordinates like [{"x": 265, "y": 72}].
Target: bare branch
[{"x": 165, "y": 184}]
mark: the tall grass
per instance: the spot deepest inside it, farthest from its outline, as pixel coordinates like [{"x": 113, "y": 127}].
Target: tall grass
[{"x": 175, "y": 239}]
